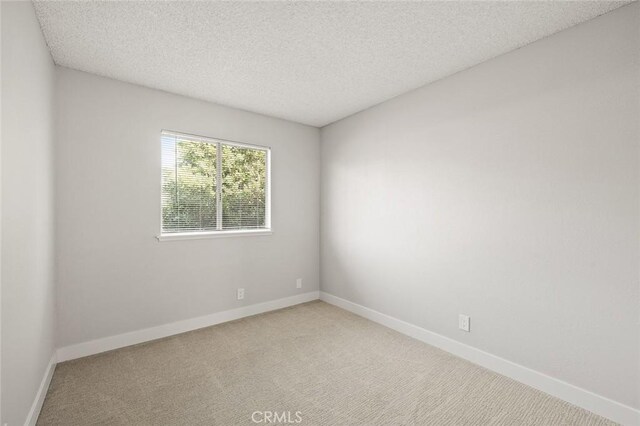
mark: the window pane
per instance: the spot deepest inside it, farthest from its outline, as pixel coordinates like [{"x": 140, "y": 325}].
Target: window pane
[
  {"x": 188, "y": 185},
  {"x": 244, "y": 175}
]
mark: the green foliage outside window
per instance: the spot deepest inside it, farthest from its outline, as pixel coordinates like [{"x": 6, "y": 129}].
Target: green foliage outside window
[
  {"x": 244, "y": 173},
  {"x": 189, "y": 186}
]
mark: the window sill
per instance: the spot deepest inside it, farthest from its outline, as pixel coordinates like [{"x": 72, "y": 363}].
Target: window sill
[{"x": 213, "y": 234}]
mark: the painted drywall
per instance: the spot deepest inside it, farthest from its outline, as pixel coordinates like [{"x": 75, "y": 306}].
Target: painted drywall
[
  {"x": 508, "y": 192},
  {"x": 28, "y": 294},
  {"x": 0, "y": 216},
  {"x": 113, "y": 275}
]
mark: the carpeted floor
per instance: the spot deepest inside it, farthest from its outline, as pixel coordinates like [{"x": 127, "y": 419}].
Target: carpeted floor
[{"x": 330, "y": 366}]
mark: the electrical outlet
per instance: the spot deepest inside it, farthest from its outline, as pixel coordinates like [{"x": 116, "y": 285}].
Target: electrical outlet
[
  {"x": 240, "y": 293},
  {"x": 464, "y": 322},
  {"x": 299, "y": 283}
]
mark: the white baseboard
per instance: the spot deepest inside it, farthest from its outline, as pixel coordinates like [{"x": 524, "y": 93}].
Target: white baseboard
[
  {"x": 93, "y": 347},
  {"x": 583, "y": 398},
  {"x": 32, "y": 418}
]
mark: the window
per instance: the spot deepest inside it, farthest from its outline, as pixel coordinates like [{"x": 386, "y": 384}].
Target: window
[{"x": 213, "y": 187}]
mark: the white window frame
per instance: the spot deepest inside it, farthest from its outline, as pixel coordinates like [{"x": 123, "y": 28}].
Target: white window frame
[{"x": 197, "y": 235}]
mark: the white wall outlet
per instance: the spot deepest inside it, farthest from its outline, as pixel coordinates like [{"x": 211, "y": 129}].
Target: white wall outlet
[
  {"x": 464, "y": 322},
  {"x": 299, "y": 283},
  {"x": 240, "y": 293}
]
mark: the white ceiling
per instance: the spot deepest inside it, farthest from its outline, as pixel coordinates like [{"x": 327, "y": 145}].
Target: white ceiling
[{"x": 310, "y": 62}]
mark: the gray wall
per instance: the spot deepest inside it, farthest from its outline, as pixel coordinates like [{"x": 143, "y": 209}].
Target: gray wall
[
  {"x": 113, "y": 275},
  {"x": 508, "y": 192},
  {"x": 28, "y": 297}
]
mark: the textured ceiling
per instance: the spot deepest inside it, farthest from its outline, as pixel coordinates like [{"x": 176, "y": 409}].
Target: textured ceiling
[{"x": 310, "y": 62}]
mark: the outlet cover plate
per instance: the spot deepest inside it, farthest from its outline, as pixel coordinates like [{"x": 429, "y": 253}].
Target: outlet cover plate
[{"x": 464, "y": 322}]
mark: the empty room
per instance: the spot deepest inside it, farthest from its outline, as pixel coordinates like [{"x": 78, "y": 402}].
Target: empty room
[{"x": 367, "y": 213}]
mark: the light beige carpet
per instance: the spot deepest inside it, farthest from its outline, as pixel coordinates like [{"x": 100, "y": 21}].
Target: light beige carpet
[{"x": 331, "y": 366}]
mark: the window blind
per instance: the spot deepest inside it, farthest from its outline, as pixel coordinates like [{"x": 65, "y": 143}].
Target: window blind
[
  {"x": 243, "y": 187},
  {"x": 212, "y": 185}
]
